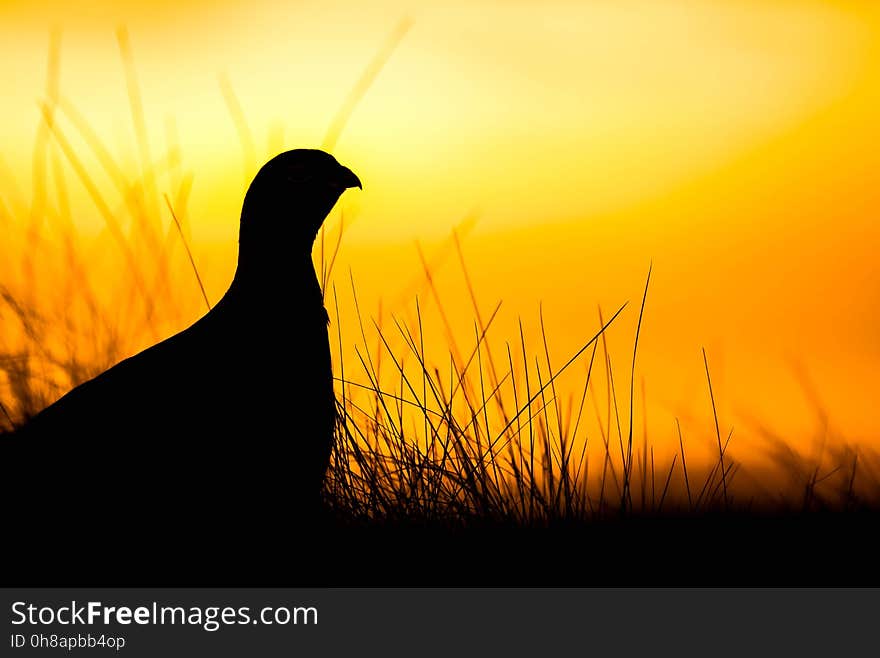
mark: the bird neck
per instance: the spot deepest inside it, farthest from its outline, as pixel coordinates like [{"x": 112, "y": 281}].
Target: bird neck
[
  {"x": 274, "y": 251},
  {"x": 273, "y": 282}
]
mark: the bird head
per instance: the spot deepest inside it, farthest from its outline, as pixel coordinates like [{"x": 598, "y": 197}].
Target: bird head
[{"x": 291, "y": 196}]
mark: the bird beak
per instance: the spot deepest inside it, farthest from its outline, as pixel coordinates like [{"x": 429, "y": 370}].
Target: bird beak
[{"x": 347, "y": 178}]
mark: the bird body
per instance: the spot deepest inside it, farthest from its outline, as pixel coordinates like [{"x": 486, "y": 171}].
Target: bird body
[{"x": 233, "y": 416}]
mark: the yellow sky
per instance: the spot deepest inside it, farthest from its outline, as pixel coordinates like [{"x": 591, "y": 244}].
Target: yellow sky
[{"x": 730, "y": 142}]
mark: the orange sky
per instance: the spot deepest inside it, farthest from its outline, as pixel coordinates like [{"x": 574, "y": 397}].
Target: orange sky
[{"x": 731, "y": 143}]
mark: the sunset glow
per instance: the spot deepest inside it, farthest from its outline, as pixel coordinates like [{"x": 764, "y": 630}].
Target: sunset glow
[{"x": 730, "y": 145}]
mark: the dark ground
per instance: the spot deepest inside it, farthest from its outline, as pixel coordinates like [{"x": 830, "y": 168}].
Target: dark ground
[{"x": 722, "y": 549}]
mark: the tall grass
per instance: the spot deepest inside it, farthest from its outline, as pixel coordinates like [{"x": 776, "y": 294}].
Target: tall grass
[
  {"x": 485, "y": 433},
  {"x": 474, "y": 443}
]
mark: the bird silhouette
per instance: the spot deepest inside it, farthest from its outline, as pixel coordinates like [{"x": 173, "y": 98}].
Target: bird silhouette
[{"x": 230, "y": 419}]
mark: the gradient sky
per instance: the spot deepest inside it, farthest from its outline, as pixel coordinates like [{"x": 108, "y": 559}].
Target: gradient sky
[{"x": 731, "y": 143}]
